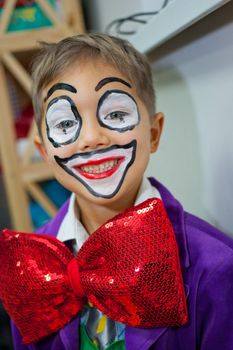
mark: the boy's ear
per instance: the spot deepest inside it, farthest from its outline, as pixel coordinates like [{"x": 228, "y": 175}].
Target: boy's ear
[
  {"x": 156, "y": 130},
  {"x": 41, "y": 148}
]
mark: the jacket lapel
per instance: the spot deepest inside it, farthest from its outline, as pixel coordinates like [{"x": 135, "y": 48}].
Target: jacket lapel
[
  {"x": 142, "y": 338},
  {"x": 70, "y": 335}
]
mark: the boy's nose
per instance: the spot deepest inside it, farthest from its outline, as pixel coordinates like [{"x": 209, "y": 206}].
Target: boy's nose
[{"x": 92, "y": 136}]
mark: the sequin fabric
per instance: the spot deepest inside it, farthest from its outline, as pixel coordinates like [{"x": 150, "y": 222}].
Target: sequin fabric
[{"x": 128, "y": 269}]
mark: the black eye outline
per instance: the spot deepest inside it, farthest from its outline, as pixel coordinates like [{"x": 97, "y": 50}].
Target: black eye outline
[
  {"x": 101, "y": 101},
  {"x": 77, "y": 117}
]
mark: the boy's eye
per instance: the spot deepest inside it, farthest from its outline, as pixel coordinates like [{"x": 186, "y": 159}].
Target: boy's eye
[
  {"x": 116, "y": 115},
  {"x": 66, "y": 124},
  {"x": 117, "y": 110},
  {"x": 63, "y": 121}
]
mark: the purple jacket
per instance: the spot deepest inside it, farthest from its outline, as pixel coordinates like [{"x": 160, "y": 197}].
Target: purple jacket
[{"x": 206, "y": 257}]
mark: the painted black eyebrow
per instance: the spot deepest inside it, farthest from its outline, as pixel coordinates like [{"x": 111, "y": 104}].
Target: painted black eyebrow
[
  {"x": 107, "y": 80},
  {"x": 60, "y": 86}
]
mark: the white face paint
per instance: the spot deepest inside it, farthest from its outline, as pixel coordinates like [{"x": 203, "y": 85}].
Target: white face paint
[
  {"x": 102, "y": 172},
  {"x": 117, "y": 110},
  {"x": 63, "y": 121}
]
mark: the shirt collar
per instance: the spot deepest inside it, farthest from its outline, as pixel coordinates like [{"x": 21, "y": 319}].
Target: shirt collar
[{"x": 72, "y": 228}]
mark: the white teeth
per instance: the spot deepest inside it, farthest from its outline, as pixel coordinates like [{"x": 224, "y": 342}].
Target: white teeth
[{"x": 96, "y": 169}]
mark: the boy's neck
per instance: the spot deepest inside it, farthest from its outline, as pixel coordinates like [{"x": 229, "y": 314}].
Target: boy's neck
[{"x": 93, "y": 215}]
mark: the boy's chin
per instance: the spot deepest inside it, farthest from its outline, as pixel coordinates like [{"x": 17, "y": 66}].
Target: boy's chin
[{"x": 119, "y": 199}]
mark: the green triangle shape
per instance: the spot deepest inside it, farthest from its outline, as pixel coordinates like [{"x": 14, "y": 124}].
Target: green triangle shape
[{"x": 28, "y": 17}]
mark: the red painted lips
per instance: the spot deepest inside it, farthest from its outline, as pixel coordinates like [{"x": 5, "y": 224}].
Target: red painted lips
[{"x": 99, "y": 169}]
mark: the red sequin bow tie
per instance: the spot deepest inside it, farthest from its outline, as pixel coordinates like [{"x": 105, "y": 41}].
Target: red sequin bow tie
[{"x": 129, "y": 269}]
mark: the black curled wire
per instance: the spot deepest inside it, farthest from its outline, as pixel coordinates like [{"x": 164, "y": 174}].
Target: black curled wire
[{"x": 136, "y": 17}]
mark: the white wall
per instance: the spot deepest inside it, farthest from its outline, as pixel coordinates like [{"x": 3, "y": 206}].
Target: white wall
[
  {"x": 194, "y": 83},
  {"x": 195, "y": 90}
]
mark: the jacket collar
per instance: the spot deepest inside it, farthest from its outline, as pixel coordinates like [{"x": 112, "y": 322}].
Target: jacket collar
[
  {"x": 176, "y": 215},
  {"x": 174, "y": 210}
]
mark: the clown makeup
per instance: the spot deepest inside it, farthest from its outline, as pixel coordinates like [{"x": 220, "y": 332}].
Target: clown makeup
[
  {"x": 60, "y": 86},
  {"x": 63, "y": 122},
  {"x": 108, "y": 80},
  {"x": 102, "y": 171},
  {"x": 117, "y": 110}
]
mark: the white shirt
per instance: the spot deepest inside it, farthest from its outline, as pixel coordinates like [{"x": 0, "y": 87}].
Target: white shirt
[{"x": 72, "y": 228}]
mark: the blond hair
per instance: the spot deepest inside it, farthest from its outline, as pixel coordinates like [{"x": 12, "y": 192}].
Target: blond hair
[{"x": 54, "y": 58}]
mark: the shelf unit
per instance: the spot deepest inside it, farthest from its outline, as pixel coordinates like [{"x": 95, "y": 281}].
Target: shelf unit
[
  {"x": 172, "y": 20},
  {"x": 21, "y": 173}
]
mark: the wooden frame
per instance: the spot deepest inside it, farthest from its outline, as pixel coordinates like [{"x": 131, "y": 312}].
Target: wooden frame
[{"x": 22, "y": 174}]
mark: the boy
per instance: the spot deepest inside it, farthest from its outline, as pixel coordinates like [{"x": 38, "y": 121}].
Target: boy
[{"x": 94, "y": 105}]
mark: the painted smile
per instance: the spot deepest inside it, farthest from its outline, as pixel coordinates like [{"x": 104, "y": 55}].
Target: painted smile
[
  {"x": 102, "y": 172},
  {"x": 99, "y": 169}
]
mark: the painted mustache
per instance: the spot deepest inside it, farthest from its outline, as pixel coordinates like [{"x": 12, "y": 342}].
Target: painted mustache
[{"x": 102, "y": 171}]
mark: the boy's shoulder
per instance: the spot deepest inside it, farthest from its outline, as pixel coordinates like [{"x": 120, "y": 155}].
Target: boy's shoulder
[
  {"x": 210, "y": 250},
  {"x": 197, "y": 236},
  {"x": 203, "y": 232}
]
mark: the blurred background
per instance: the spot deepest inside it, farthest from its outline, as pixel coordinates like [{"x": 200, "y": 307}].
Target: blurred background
[{"x": 189, "y": 45}]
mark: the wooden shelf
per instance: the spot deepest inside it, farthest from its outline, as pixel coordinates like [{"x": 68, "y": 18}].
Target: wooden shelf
[{"x": 22, "y": 173}]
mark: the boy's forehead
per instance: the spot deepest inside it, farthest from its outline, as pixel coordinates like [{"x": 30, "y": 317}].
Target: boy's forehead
[
  {"x": 90, "y": 72},
  {"x": 93, "y": 76}
]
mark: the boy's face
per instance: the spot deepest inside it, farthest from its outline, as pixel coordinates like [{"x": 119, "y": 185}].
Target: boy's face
[{"x": 97, "y": 133}]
